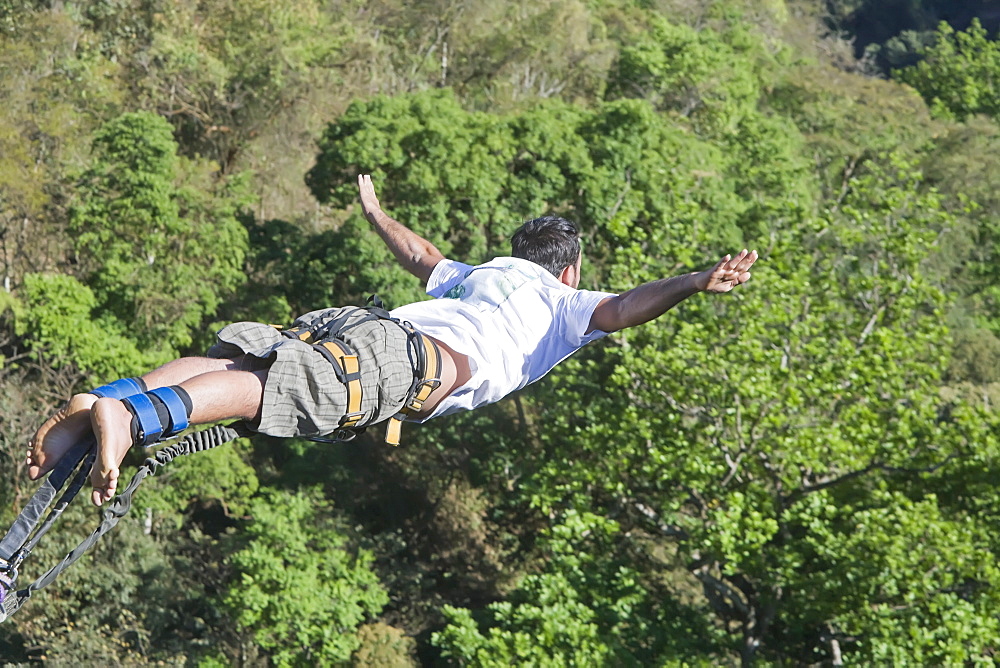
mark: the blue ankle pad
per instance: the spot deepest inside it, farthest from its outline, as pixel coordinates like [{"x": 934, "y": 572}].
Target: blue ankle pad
[
  {"x": 176, "y": 408},
  {"x": 158, "y": 414},
  {"x": 150, "y": 427},
  {"x": 121, "y": 388}
]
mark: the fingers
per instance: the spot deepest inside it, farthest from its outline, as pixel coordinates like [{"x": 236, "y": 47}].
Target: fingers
[
  {"x": 743, "y": 260},
  {"x": 742, "y": 268},
  {"x": 738, "y": 268},
  {"x": 369, "y": 201},
  {"x": 731, "y": 271},
  {"x": 722, "y": 264}
]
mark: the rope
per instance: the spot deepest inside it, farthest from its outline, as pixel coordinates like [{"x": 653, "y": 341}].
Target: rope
[{"x": 119, "y": 506}]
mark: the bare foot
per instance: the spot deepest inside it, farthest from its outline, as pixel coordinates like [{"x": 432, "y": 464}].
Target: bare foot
[
  {"x": 111, "y": 422},
  {"x": 59, "y": 433}
]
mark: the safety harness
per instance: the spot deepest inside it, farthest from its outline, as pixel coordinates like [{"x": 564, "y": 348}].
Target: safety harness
[{"x": 328, "y": 338}]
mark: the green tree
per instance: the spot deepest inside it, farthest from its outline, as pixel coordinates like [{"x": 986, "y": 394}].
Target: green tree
[
  {"x": 141, "y": 596},
  {"x": 53, "y": 92},
  {"x": 896, "y": 605},
  {"x": 958, "y": 75},
  {"x": 298, "y": 589},
  {"x": 159, "y": 248},
  {"x": 963, "y": 162},
  {"x": 845, "y": 119},
  {"x": 225, "y": 71},
  {"x": 495, "y": 55},
  {"x": 717, "y": 429},
  {"x": 223, "y": 475},
  {"x": 52, "y": 306},
  {"x": 466, "y": 179},
  {"x": 714, "y": 80},
  {"x": 589, "y": 606}
]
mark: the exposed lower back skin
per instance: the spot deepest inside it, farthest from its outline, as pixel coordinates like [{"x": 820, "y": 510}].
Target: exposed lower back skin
[{"x": 455, "y": 372}]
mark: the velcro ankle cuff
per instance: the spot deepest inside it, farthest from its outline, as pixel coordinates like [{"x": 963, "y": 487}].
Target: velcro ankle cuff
[{"x": 158, "y": 414}]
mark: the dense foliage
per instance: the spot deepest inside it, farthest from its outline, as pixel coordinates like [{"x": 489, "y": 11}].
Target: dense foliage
[{"x": 800, "y": 472}]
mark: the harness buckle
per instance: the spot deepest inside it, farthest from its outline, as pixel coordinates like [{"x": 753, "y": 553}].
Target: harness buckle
[
  {"x": 351, "y": 420},
  {"x": 423, "y": 391},
  {"x": 340, "y": 436}
]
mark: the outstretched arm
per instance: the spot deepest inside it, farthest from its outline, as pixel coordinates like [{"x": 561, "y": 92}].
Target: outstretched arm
[
  {"x": 417, "y": 255},
  {"x": 651, "y": 300}
]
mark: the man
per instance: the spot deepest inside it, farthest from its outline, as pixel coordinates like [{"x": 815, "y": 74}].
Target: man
[{"x": 493, "y": 329}]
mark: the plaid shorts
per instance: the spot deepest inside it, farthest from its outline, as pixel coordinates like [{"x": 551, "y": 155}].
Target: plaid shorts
[{"x": 302, "y": 396}]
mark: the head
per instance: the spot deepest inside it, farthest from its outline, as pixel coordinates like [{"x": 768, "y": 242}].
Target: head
[{"x": 553, "y": 243}]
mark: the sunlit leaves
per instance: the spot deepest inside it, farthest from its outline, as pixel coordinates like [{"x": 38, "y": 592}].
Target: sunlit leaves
[
  {"x": 697, "y": 74},
  {"x": 642, "y": 190},
  {"x": 723, "y": 418},
  {"x": 160, "y": 251},
  {"x": 587, "y": 607},
  {"x": 58, "y": 317},
  {"x": 299, "y": 589},
  {"x": 959, "y": 73},
  {"x": 222, "y": 71}
]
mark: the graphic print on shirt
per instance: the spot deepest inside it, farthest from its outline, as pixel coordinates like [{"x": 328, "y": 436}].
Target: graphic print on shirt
[{"x": 487, "y": 288}]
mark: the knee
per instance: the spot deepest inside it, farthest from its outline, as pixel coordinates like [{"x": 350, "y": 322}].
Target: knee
[{"x": 246, "y": 363}]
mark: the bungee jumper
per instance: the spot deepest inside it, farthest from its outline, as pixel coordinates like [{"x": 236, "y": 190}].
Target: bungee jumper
[{"x": 490, "y": 330}]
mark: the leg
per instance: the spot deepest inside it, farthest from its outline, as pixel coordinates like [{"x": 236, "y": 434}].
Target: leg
[
  {"x": 216, "y": 395},
  {"x": 72, "y": 421}
]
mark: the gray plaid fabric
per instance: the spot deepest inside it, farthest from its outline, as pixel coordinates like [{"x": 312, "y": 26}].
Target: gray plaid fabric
[{"x": 302, "y": 396}]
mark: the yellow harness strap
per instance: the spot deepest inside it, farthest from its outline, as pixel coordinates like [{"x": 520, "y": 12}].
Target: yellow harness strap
[
  {"x": 301, "y": 333},
  {"x": 340, "y": 354},
  {"x": 345, "y": 358},
  {"x": 430, "y": 382}
]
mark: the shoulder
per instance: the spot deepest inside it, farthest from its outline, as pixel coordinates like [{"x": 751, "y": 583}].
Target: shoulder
[{"x": 445, "y": 274}]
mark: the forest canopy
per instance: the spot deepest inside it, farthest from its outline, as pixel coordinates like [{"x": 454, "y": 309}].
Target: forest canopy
[{"x": 801, "y": 472}]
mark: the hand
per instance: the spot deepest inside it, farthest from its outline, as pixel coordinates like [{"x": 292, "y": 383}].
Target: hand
[
  {"x": 369, "y": 202},
  {"x": 730, "y": 272}
]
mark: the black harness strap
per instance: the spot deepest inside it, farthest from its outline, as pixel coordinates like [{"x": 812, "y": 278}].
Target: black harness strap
[{"x": 113, "y": 512}]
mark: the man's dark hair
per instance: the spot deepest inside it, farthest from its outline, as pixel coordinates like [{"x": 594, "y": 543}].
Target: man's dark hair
[{"x": 549, "y": 241}]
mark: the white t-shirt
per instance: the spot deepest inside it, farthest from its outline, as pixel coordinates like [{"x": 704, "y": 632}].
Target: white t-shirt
[{"x": 512, "y": 318}]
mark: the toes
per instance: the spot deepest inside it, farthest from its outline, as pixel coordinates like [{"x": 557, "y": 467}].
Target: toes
[
  {"x": 34, "y": 466},
  {"x": 104, "y": 487},
  {"x": 112, "y": 485}
]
